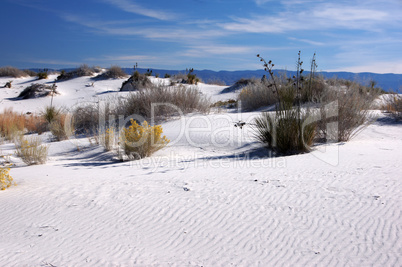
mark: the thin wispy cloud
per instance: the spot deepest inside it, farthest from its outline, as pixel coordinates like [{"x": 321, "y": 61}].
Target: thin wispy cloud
[
  {"x": 315, "y": 43},
  {"x": 170, "y": 34},
  {"x": 313, "y": 17},
  {"x": 132, "y": 7},
  {"x": 205, "y": 33}
]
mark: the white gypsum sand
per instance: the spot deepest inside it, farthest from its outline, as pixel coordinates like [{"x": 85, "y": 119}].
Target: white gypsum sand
[{"x": 208, "y": 199}]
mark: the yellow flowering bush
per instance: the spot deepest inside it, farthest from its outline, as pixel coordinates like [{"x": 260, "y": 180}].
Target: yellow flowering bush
[
  {"x": 31, "y": 151},
  {"x": 5, "y": 178},
  {"x": 141, "y": 141}
]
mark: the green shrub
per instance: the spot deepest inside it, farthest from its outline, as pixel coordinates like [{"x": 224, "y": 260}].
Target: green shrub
[
  {"x": 42, "y": 75},
  {"x": 285, "y": 132},
  {"x": 50, "y": 113},
  {"x": 142, "y": 141},
  {"x": 31, "y": 150},
  {"x": 148, "y": 73}
]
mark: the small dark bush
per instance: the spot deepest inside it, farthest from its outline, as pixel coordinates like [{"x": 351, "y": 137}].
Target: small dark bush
[
  {"x": 135, "y": 82},
  {"x": 83, "y": 70},
  {"x": 37, "y": 90},
  {"x": 42, "y": 74},
  {"x": 115, "y": 72}
]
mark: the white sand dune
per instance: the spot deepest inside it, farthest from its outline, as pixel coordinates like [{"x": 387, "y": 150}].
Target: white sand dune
[{"x": 209, "y": 199}]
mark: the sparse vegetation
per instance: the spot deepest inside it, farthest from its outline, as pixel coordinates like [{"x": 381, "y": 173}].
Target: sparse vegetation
[
  {"x": 31, "y": 73},
  {"x": 135, "y": 82},
  {"x": 393, "y": 105},
  {"x": 140, "y": 141},
  {"x": 345, "y": 103},
  {"x": 42, "y": 74},
  {"x": 216, "y": 81},
  {"x": 38, "y": 90},
  {"x": 9, "y": 71},
  {"x": 148, "y": 73},
  {"x": 256, "y": 95},
  {"x": 83, "y": 70},
  {"x": 31, "y": 150},
  {"x": 5, "y": 178},
  {"x": 11, "y": 123},
  {"x": 8, "y": 84},
  {"x": 58, "y": 127},
  {"x": 231, "y": 103},
  {"x": 170, "y": 100},
  {"x": 114, "y": 72},
  {"x": 349, "y": 107}
]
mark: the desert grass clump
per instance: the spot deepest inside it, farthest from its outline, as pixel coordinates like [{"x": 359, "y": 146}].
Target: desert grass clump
[
  {"x": 393, "y": 105},
  {"x": 349, "y": 108},
  {"x": 59, "y": 129},
  {"x": 114, "y": 72},
  {"x": 166, "y": 101},
  {"x": 255, "y": 95},
  {"x": 216, "y": 81},
  {"x": 9, "y": 71},
  {"x": 35, "y": 123},
  {"x": 31, "y": 150},
  {"x": 140, "y": 141},
  {"x": 6, "y": 180},
  {"x": 30, "y": 73},
  {"x": 11, "y": 123}
]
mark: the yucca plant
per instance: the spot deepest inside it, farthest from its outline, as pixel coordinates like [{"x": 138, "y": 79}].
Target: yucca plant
[{"x": 287, "y": 131}]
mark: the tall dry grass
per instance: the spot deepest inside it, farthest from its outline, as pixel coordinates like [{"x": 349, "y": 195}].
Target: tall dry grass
[{"x": 171, "y": 100}]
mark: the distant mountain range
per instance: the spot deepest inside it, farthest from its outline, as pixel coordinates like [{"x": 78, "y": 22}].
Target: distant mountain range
[{"x": 388, "y": 82}]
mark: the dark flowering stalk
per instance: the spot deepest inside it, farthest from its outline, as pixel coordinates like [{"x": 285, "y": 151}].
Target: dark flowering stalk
[{"x": 268, "y": 66}]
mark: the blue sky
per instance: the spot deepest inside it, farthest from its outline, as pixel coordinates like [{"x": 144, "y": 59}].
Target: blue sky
[{"x": 353, "y": 35}]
